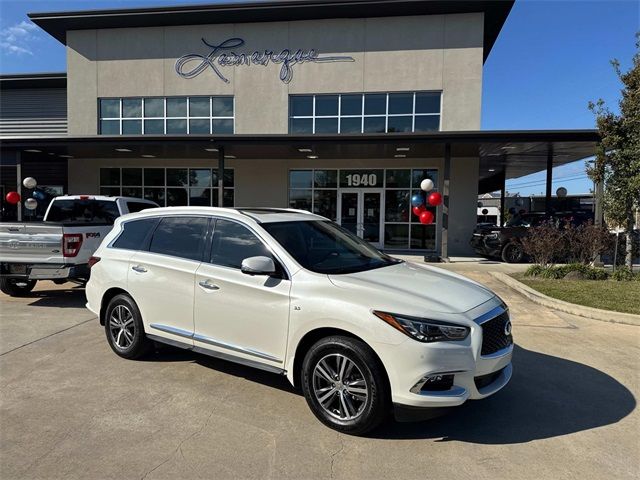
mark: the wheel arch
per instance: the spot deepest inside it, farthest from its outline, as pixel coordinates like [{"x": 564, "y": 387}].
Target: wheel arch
[
  {"x": 312, "y": 336},
  {"x": 106, "y": 298}
]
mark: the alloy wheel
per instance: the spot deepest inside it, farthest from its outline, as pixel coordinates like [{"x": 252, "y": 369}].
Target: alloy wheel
[
  {"x": 340, "y": 387},
  {"x": 122, "y": 327}
]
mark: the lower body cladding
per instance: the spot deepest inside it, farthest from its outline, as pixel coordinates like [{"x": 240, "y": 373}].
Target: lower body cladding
[{"x": 424, "y": 376}]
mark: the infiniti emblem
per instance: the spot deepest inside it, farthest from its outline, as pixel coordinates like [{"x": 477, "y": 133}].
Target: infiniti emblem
[{"x": 507, "y": 328}]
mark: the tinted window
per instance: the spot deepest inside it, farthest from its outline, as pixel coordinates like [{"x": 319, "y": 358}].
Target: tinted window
[
  {"x": 134, "y": 233},
  {"x": 83, "y": 211},
  {"x": 232, "y": 243},
  {"x": 134, "y": 207},
  {"x": 180, "y": 237}
]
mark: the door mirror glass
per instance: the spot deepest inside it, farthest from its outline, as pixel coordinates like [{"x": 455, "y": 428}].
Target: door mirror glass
[{"x": 258, "y": 266}]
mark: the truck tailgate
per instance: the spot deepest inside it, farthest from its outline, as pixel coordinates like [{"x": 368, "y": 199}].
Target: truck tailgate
[{"x": 31, "y": 243}]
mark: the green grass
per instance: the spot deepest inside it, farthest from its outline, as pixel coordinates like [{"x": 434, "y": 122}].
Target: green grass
[{"x": 604, "y": 294}]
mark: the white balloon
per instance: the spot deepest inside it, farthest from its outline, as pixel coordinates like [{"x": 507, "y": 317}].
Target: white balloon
[
  {"x": 426, "y": 185},
  {"x": 30, "y": 204},
  {"x": 29, "y": 182},
  {"x": 561, "y": 192}
]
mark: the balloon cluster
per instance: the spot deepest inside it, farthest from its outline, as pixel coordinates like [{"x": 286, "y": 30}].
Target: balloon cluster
[
  {"x": 418, "y": 202},
  {"x": 30, "y": 203}
]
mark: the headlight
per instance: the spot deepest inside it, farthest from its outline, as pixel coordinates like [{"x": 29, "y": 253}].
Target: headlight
[
  {"x": 492, "y": 236},
  {"x": 423, "y": 329}
]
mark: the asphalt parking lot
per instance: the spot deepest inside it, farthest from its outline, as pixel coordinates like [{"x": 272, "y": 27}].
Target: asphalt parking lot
[{"x": 70, "y": 408}]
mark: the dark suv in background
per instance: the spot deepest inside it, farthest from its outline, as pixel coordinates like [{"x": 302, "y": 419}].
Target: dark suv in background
[{"x": 504, "y": 243}]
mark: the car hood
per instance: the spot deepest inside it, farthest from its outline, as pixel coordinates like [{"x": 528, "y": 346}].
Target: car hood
[{"x": 409, "y": 286}]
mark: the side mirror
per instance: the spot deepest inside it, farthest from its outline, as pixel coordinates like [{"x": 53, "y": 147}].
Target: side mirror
[{"x": 258, "y": 266}]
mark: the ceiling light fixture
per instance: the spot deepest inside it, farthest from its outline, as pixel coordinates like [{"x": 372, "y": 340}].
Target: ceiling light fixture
[
  {"x": 403, "y": 149},
  {"x": 33, "y": 150},
  {"x": 305, "y": 150},
  {"x": 229, "y": 156},
  {"x": 65, "y": 156},
  {"x": 400, "y": 156},
  {"x": 492, "y": 169},
  {"x": 312, "y": 157},
  {"x": 148, "y": 156},
  {"x": 211, "y": 149},
  {"x": 122, "y": 150}
]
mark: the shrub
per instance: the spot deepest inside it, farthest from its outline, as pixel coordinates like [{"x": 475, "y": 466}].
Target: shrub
[
  {"x": 561, "y": 271},
  {"x": 584, "y": 243},
  {"x": 534, "y": 271},
  {"x": 623, "y": 274},
  {"x": 542, "y": 243}
]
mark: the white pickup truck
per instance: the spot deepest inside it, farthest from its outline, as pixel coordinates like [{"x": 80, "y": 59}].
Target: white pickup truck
[{"x": 59, "y": 247}]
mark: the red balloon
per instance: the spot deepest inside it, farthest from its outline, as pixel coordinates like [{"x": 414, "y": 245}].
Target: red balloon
[
  {"x": 418, "y": 210},
  {"x": 13, "y": 197},
  {"x": 434, "y": 199},
  {"x": 426, "y": 217}
]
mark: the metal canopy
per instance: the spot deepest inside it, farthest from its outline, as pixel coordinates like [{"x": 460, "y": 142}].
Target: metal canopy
[{"x": 516, "y": 153}]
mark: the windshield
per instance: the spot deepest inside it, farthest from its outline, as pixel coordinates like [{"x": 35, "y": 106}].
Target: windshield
[{"x": 325, "y": 247}]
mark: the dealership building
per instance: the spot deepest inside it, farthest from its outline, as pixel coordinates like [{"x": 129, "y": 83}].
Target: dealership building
[{"x": 340, "y": 108}]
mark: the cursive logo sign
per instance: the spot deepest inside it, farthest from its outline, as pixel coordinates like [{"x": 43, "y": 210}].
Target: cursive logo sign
[{"x": 222, "y": 55}]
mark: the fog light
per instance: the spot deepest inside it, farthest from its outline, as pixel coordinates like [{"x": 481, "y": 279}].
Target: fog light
[{"x": 434, "y": 383}]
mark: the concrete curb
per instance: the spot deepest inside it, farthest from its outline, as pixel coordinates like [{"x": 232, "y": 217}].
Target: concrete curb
[{"x": 572, "y": 308}]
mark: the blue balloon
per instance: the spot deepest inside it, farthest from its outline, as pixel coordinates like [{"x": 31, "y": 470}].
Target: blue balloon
[
  {"x": 39, "y": 195},
  {"x": 417, "y": 200}
]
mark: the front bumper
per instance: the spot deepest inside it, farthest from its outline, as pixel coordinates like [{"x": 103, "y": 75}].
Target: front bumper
[
  {"x": 475, "y": 376},
  {"x": 484, "y": 246}
]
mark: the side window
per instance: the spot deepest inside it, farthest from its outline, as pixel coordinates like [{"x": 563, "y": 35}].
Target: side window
[
  {"x": 232, "y": 243},
  {"x": 180, "y": 237},
  {"x": 134, "y": 234},
  {"x": 135, "y": 207}
]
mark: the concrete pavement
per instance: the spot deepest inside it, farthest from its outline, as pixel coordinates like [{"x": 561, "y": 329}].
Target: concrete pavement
[{"x": 70, "y": 408}]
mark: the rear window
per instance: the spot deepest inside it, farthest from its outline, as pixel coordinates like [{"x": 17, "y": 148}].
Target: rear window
[
  {"x": 134, "y": 234},
  {"x": 134, "y": 207},
  {"x": 182, "y": 237},
  {"x": 83, "y": 211}
]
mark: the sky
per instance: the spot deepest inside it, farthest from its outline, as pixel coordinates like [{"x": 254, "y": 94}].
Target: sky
[{"x": 551, "y": 58}]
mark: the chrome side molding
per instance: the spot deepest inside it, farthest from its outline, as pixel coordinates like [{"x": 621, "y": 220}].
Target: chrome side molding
[{"x": 216, "y": 343}]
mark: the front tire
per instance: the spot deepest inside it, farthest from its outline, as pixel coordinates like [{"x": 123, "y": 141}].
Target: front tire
[
  {"x": 512, "y": 253},
  {"x": 345, "y": 385},
  {"x": 16, "y": 287},
  {"x": 124, "y": 328}
]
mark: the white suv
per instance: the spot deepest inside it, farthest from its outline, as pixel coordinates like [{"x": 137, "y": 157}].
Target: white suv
[{"x": 294, "y": 293}]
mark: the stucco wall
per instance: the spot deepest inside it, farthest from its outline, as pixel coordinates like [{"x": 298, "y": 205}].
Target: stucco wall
[{"x": 438, "y": 52}]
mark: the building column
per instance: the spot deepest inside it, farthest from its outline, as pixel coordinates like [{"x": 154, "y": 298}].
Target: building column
[
  {"x": 547, "y": 199},
  {"x": 19, "y": 184},
  {"x": 220, "y": 176},
  {"x": 503, "y": 199},
  {"x": 446, "y": 178}
]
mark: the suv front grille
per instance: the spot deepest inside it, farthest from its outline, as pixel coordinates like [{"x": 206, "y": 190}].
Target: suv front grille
[{"x": 494, "y": 337}]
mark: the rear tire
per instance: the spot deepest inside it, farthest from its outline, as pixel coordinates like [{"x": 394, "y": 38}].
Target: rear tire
[
  {"x": 512, "y": 253},
  {"x": 124, "y": 328},
  {"x": 16, "y": 287},
  {"x": 345, "y": 385}
]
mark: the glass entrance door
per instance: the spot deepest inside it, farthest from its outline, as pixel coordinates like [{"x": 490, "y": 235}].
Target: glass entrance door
[{"x": 361, "y": 213}]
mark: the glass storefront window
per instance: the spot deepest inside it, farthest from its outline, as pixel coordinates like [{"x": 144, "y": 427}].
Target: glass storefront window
[
  {"x": 168, "y": 186},
  {"x": 319, "y": 191}
]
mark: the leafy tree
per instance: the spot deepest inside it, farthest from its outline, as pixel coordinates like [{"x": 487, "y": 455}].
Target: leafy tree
[{"x": 617, "y": 162}]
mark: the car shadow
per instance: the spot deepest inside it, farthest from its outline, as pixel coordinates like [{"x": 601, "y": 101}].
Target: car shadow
[
  {"x": 72, "y": 297},
  {"x": 547, "y": 397}
]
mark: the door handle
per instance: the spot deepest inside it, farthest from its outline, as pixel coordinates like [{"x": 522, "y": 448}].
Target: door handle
[
  {"x": 139, "y": 269},
  {"x": 208, "y": 285}
]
